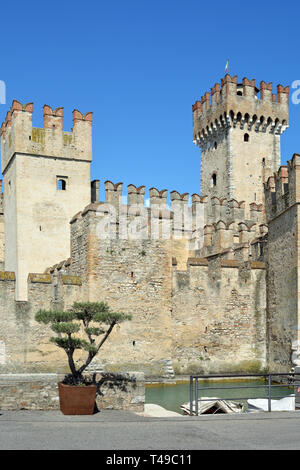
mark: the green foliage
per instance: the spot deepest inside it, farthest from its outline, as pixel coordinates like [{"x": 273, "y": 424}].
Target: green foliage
[
  {"x": 67, "y": 328},
  {"x": 69, "y": 343},
  {"x": 98, "y": 312},
  {"x": 95, "y": 319},
  {"x": 93, "y": 331},
  {"x": 44, "y": 316}
]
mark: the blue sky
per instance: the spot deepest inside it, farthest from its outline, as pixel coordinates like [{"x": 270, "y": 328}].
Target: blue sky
[{"x": 139, "y": 66}]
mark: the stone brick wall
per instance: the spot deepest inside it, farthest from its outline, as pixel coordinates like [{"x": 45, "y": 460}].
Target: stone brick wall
[
  {"x": 127, "y": 392},
  {"x": 282, "y": 293},
  {"x": 185, "y": 317},
  {"x": 40, "y": 392},
  {"x": 283, "y": 213},
  {"x": 27, "y": 346},
  {"x": 2, "y": 241},
  {"x": 132, "y": 276},
  {"x": 219, "y": 317}
]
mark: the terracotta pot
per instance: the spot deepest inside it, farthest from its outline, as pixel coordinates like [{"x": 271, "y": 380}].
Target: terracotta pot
[{"x": 77, "y": 400}]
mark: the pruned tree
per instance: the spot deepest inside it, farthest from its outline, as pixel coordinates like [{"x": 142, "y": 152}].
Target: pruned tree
[{"x": 95, "y": 319}]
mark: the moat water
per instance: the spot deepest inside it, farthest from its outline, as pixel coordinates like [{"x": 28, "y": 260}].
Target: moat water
[{"x": 171, "y": 396}]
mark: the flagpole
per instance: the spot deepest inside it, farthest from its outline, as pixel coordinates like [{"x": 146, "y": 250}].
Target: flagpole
[{"x": 227, "y": 66}]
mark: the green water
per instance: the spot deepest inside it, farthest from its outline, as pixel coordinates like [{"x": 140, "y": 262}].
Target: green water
[{"x": 172, "y": 396}]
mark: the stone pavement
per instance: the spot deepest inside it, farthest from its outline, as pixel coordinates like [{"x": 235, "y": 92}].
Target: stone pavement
[{"x": 120, "y": 430}]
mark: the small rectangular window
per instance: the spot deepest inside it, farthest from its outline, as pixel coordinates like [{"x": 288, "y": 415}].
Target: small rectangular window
[{"x": 61, "y": 183}]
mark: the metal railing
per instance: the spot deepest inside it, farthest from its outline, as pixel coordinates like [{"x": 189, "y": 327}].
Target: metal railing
[{"x": 195, "y": 389}]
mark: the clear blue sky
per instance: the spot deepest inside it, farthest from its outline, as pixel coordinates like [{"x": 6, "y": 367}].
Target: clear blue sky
[{"x": 139, "y": 66}]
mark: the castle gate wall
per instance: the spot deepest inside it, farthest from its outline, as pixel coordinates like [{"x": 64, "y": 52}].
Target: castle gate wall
[{"x": 219, "y": 317}]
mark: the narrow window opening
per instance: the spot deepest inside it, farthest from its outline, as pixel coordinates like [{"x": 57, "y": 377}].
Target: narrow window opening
[
  {"x": 133, "y": 343},
  {"x": 261, "y": 249},
  {"x": 61, "y": 185},
  {"x": 246, "y": 137},
  {"x": 215, "y": 145},
  {"x": 214, "y": 180},
  {"x": 240, "y": 93},
  {"x": 56, "y": 292},
  {"x": 263, "y": 162}
]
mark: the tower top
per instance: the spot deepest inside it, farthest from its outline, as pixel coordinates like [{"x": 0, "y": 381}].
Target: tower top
[
  {"x": 18, "y": 135},
  {"x": 230, "y": 102}
]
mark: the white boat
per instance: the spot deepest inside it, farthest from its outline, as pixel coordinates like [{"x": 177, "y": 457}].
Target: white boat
[
  {"x": 261, "y": 404},
  {"x": 213, "y": 405}
]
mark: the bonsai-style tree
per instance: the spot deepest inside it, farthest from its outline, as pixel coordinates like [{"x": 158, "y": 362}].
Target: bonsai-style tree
[{"x": 95, "y": 319}]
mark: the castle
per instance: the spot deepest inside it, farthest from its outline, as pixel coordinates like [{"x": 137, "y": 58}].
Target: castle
[{"x": 211, "y": 280}]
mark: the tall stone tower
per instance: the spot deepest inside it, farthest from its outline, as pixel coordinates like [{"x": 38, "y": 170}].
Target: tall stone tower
[
  {"x": 46, "y": 180},
  {"x": 238, "y": 129}
]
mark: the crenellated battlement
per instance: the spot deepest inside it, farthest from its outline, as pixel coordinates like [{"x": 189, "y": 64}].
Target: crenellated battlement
[
  {"x": 232, "y": 210},
  {"x": 223, "y": 234},
  {"x": 181, "y": 218},
  {"x": 282, "y": 190},
  {"x": 208, "y": 232},
  {"x": 53, "y": 119},
  {"x": 232, "y": 104},
  {"x": 18, "y": 135},
  {"x": 213, "y": 209},
  {"x": 136, "y": 195}
]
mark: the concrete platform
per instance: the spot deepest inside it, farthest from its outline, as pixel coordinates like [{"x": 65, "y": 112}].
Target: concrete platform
[{"x": 120, "y": 430}]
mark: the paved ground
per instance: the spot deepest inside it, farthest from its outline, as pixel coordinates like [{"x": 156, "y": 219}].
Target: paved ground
[{"x": 124, "y": 430}]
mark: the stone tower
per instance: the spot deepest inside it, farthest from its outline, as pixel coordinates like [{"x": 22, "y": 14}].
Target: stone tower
[
  {"x": 46, "y": 180},
  {"x": 283, "y": 255},
  {"x": 238, "y": 129}
]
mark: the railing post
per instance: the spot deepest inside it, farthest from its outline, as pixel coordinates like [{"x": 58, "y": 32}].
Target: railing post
[
  {"x": 191, "y": 395},
  {"x": 196, "y": 396},
  {"x": 269, "y": 393}
]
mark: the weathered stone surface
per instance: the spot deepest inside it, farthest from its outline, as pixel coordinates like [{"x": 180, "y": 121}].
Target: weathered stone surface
[
  {"x": 127, "y": 392},
  {"x": 40, "y": 392}
]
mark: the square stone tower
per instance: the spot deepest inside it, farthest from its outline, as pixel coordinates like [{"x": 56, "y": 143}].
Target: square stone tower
[
  {"x": 46, "y": 180},
  {"x": 238, "y": 128}
]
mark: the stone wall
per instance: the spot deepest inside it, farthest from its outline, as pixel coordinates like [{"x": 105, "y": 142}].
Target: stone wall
[
  {"x": 282, "y": 289},
  {"x": 132, "y": 276},
  {"x": 126, "y": 392},
  {"x": 219, "y": 317},
  {"x": 2, "y": 241},
  {"x": 27, "y": 346},
  {"x": 187, "y": 313},
  {"x": 29, "y": 391},
  {"x": 283, "y": 213},
  {"x": 40, "y": 392}
]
